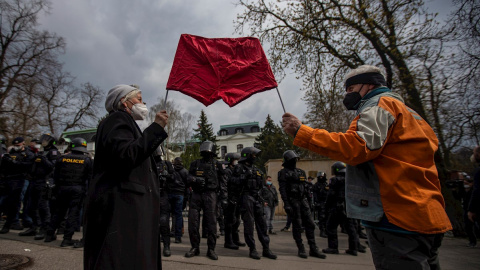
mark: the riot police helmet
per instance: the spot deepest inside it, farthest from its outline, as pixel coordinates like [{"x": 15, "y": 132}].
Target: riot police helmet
[
  {"x": 339, "y": 168},
  {"x": 207, "y": 147},
  {"x": 321, "y": 176},
  {"x": 79, "y": 144},
  {"x": 47, "y": 140},
  {"x": 289, "y": 156},
  {"x": 230, "y": 157},
  {"x": 249, "y": 153}
]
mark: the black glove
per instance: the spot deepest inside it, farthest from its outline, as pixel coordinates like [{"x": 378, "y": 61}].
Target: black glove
[{"x": 224, "y": 204}]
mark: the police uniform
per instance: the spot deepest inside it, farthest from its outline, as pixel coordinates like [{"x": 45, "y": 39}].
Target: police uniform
[
  {"x": 232, "y": 213},
  {"x": 296, "y": 196},
  {"x": 320, "y": 191},
  {"x": 39, "y": 191},
  {"x": 72, "y": 173},
  {"x": 15, "y": 167},
  {"x": 335, "y": 205},
  {"x": 165, "y": 171},
  {"x": 206, "y": 179},
  {"x": 250, "y": 181}
]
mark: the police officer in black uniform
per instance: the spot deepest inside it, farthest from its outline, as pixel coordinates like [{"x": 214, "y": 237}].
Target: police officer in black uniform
[
  {"x": 165, "y": 175},
  {"x": 39, "y": 187},
  {"x": 177, "y": 189},
  {"x": 206, "y": 179},
  {"x": 15, "y": 167},
  {"x": 71, "y": 175},
  {"x": 250, "y": 181},
  {"x": 295, "y": 196},
  {"x": 320, "y": 191},
  {"x": 3, "y": 186},
  {"x": 335, "y": 206},
  {"x": 232, "y": 212}
]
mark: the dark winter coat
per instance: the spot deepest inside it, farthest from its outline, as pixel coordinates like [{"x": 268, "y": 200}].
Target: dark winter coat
[{"x": 123, "y": 201}]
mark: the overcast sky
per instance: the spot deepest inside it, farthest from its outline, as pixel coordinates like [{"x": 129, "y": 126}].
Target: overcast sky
[{"x": 112, "y": 42}]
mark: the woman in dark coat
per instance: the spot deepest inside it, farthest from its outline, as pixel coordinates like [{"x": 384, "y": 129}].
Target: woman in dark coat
[{"x": 122, "y": 213}]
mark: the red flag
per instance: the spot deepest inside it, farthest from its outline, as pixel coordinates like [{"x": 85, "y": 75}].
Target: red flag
[{"x": 209, "y": 69}]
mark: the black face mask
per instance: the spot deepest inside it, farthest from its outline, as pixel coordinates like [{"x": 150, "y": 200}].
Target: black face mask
[{"x": 352, "y": 99}]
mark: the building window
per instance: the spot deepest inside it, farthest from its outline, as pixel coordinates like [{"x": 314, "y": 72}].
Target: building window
[
  {"x": 255, "y": 129},
  {"x": 239, "y": 130},
  {"x": 223, "y": 151},
  {"x": 223, "y": 132},
  {"x": 239, "y": 148}
]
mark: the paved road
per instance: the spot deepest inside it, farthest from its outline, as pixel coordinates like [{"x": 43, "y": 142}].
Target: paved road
[{"x": 453, "y": 255}]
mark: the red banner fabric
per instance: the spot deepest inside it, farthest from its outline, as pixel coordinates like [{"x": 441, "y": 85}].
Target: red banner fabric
[{"x": 209, "y": 69}]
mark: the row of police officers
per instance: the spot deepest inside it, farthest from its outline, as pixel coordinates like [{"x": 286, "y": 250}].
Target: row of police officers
[{"x": 56, "y": 189}]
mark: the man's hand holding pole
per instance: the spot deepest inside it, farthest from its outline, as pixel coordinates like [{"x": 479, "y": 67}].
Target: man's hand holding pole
[{"x": 290, "y": 124}]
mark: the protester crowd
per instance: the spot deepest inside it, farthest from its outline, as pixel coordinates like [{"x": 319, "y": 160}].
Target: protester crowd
[{"x": 130, "y": 199}]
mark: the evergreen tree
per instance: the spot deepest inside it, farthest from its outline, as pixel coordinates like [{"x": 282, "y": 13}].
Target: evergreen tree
[
  {"x": 204, "y": 132},
  {"x": 190, "y": 154},
  {"x": 273, "y": 142}
]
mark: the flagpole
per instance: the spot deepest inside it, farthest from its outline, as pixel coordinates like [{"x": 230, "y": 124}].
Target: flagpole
[
  {"x": 281, "y": 101},
  {"x": 165, "y": 102}
]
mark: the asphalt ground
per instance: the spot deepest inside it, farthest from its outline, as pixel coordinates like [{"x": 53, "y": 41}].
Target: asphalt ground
[{"x": 40, "y": 255}]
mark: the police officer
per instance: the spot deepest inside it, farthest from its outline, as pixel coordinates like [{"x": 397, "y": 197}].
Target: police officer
[
  {"x": 206, "y": 179},
  {"x": 72, "y": 173},
  {"x": 165, "y": 175},
  {"x": 250, "y": 181},
  {"x": 320, "y": 191},
  {"x": 40, "y": 187},
  {"x": 3, "y": 187},
  {"x": 15, "y": 167},
  {"x": 335, "y": 206},
  {"x": 177, "y": 189},
  {"x": 295, "y": 195},
  {"x": 232, "y": 212}
]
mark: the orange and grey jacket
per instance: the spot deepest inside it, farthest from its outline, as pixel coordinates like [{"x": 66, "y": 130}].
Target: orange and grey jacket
[{"x": 391, "y": 171}]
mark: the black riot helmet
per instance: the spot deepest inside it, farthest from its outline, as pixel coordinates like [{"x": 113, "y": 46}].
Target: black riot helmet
[
  {"x": 47, "y": 140},
  {"x": 230, "y": 157},
  {"x": 249, "y": 154},
  {"x": 339, "y": 168},
  {"x": 207, "y": 147},
  {"x": 79, "y": 144},
  {"x": 321, "y": 176},
  {"x": 290, "y": 156}
]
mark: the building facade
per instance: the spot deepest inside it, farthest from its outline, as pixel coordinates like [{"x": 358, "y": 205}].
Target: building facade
[{"x": 233, "y": 138}]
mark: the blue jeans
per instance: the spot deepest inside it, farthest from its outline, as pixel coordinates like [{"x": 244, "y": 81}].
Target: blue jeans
[
  {"x": 176, "y": 204},
  {"x": 269, "y": 215}
]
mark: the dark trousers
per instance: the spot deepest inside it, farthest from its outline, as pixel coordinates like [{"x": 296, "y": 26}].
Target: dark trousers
[
  {"x": 165, "y": 218},
  {"x": 404, "y": 251},
  {"x": 322, "y": 217},
  {"x": 12, "y": 200},
  {"x": 469, "y": 229},
  {"x": 232, "y": 223},
  {"x": 68, "y": 200},
  {"x": 206, "y": 202},
  {"x": 252, "y": 215},
  {"x": 335, "y": 218},
  {"x": 39, "y": 209},
  {"x": 302, "y": 215},
  {"x": 176, "y": 207}
]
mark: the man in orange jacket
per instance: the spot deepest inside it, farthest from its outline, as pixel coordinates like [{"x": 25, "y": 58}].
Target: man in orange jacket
[{"x": 392, "y": 183}]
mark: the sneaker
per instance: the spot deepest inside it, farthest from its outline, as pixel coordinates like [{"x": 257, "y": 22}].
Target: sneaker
[
  {"x": 285, "y": 229},
  {"x": 272, "y": 232},
  {"x": 471, "y": 244}
]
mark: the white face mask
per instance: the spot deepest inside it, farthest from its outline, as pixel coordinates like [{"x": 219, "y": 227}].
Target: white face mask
[
  {"x": 37, "y": 146},
  {"x": 17, "y": 148},
  {"x": 466, "y": 186},
  {"x": 472, "y": 159},
  {"x": 235, "y": 162},
  {"x": 139, "y": 111}
]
